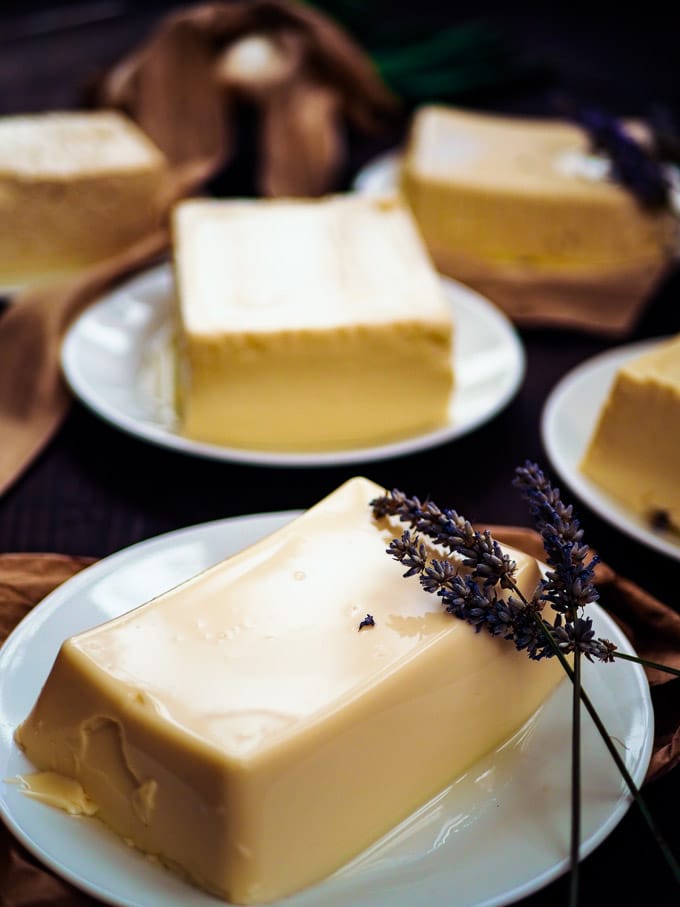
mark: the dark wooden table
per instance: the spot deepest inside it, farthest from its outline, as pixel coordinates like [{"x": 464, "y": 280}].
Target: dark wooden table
[{"x": 96, "y": 490}]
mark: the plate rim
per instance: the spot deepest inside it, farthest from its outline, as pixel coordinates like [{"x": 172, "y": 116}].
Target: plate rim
[
  {"x": 467, "y": 298},
  {"x": 110, "y": 565},
  {"x": 616, "y": 514},
  {"x": 376, "y": 169}
]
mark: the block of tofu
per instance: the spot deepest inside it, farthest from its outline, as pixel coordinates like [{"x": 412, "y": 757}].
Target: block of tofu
[
  {"x": 308, "y": 325},
  {"x": 243, "y": 729},
  {"x": 501, "y": 191},
  {"x": 74, "y": 188},
  {"x": 634, "y": 453}
]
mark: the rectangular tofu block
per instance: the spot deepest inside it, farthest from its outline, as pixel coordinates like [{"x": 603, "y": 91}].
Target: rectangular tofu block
[
  {"x": 511, "y": 191},
  {"x": 634, "y": 453},
  {"x": 243, "y": 729},
  {"x": 308, "y": 324},
  {"x": 75, "y": 187}
]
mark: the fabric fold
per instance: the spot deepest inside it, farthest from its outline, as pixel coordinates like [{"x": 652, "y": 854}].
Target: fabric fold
[
  {"x": 605, "y": 302},
  {"x": 33, "y": 396}
]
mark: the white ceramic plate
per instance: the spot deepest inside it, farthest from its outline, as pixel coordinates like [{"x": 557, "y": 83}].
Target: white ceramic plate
[
  {"x": 497, "y": 834},
  {"x": 380, "y": 174},
  {"x": 567, "y": 424},
  {"x": 117, "y": 359}
]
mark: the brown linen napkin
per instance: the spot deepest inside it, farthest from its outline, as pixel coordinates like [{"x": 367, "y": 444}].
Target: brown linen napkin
[
  {"x": 25, "y": 579},
  {"x": 606, "y": 302},
  {"x": 302, "y": 74},
  {"x": 33, "y": 396},
  {"x": 181, "y": 88},
  {"x": 654, "y": 630}
]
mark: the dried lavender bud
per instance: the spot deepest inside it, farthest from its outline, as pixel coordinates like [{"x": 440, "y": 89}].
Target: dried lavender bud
[
  {"x": 439, "y": 575},
  {"x": 451, "y": 531},
  {"x": 468, "y": 588},
  {"x": 660, "y": 519},
  {"x": 633, "y": 166},
  {"x": 410, "y": 552},
  {"x": 568, "y": 584}
]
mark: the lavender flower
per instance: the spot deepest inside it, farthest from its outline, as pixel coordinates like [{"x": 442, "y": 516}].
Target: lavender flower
[
  {"x": 368, "y": 621},
  {"x": 450, "y": 530},
  {"x": 632, "y": 164},
  {"x": 410, "y": 552},
  {"x": 568, "y": 586},
  {"x": 468, "y": 586}
]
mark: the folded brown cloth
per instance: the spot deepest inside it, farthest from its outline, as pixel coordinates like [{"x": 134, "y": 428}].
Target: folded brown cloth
[
  {"x": 25, "y": 579},
  {"x": 303, "y": 75},
  {"x": 652, "y": 627},
  {"x": 33, "y": 396},
  {"x": 306, "y": 77},
  {"x": 606, "y": 302}
]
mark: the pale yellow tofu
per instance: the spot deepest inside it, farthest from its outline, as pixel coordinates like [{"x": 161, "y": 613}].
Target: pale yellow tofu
[
  {"x": 243, "y": 729},
  {"x": 308, "y": 324},
  {"x": 511, "y": 191},
  {"x": 75, "y": 188},
  {"x": 634, "y": 453}
]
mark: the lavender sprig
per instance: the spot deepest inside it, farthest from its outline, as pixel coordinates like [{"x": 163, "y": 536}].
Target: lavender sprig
[
  {"x": 632, "y": 165},
  {"x": 472, "y": 595},
  {"x": 479, "y": 550},
  {"x": 567, "y": 586}
]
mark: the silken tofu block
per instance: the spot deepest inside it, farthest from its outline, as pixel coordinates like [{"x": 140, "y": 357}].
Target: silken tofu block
[
  {"x": 75, "y": 188},
  {"x": 512, "y": 191},
  {"x": 634, "y": 453},
  {"x": 243, "y": 729},
  {"x": 308, "y": 324}
]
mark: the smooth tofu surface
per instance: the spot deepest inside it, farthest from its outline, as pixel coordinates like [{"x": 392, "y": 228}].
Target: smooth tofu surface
[
  {"x": 501, "y": 153},
  {"x": 67, "y": 145},
  {"x": 634, "y": 453},
  {"x": 223, "y": 724},
  {"x": 308, "y": 324},
  {"x": 286, "y": 265}
]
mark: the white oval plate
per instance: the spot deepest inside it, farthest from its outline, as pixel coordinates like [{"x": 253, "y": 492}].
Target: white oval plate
[
  {"x": 567, "y": 423},
  {"x": 117, "y": 360},
  {"x": 497, "y": 834},
  {"x": 381, "y": 174}
]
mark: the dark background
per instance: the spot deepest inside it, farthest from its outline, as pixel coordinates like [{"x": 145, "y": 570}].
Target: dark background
[
  {"x": 623, "y": 56},
  {"x": 95, "y": 490}
]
